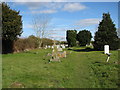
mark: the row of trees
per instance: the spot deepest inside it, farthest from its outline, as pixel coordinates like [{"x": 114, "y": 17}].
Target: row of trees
[
  {"x": 83, "y": 37},
  {"x": 106, "y": 35},
  {"x": 12, "y": 29}
]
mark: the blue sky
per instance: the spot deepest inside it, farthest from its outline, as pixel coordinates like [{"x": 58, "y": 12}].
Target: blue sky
[{"x": 65, "y": 16}]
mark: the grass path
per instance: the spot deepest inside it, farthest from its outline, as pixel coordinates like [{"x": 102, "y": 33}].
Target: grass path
[{"x": 79, "y": 70}]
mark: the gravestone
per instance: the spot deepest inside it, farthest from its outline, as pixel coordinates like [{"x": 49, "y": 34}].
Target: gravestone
[
  {"x": 54, "y": 54},
  {"x": 52, "y": 47},
  {"x": 58, "y": 46},
  {"x": 57, "y": 53},
  {"x": 63, "y": 46},
  {"x": 61, "y": 54},
  {"x": 66, "y": 46},
  {"x": 106, "y": 49},
  {"x": 48, "y": 46},
  {"x": 59, "y": 49}
]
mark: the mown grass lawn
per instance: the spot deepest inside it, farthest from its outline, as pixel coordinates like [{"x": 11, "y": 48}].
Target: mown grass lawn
[{"x": 80, "y": 69}]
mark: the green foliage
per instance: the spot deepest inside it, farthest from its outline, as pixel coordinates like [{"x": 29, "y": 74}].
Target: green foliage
[
  {"x": 84, "y": 37},
  {"x": 63, "y": 42},
  {"x": 34, "y": 40},
  {"x": 46, "y": 41},
  {"x": 11, "y": 27},
  {"x": 71, "y": 37},
  {"x": 106, "y": 34}
]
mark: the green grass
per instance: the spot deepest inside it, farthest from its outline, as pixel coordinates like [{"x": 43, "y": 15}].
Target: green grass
[{"x": 80, "y": 69}]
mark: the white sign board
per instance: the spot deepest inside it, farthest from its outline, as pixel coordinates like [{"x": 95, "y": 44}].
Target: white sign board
[{"x": 106, "y": 49}]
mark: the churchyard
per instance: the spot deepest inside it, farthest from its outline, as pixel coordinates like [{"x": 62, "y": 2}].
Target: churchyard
[
  {"x": 82, "y": 68},
  {"x": 52, "y": 53}
]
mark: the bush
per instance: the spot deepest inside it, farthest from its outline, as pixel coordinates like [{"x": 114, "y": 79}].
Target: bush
[
  {"x": 46, "y": 41},
  {"x": 31, "y": 42},
  {"x": 23, "y": 44}
]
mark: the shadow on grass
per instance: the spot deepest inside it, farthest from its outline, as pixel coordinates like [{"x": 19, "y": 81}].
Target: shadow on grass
[
  {"x": 105, "y": 63},
  {"x": 83, "y": 50}
]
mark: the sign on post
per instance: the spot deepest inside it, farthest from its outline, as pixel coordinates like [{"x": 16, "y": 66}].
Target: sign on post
[{"x": 106, "y": 49}]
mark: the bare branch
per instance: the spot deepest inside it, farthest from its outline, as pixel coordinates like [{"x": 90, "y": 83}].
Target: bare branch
[{"x": 40, "y": 24}]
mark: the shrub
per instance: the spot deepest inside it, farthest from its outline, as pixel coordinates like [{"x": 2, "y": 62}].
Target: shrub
[
  {"x": 23, "y": 44},
  {"x": 31, "y": 42}
]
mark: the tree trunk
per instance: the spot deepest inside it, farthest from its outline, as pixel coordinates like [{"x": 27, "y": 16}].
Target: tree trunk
[{"x": 40, "y": 43}]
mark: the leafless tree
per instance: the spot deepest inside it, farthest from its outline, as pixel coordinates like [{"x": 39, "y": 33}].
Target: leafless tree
[{"x": 40, "y": 25}]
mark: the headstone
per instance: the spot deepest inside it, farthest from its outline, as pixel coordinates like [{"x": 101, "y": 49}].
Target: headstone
[
  {"x": 63, "y": 46},
  {"x": 66, "y": 46},
  {"x": 106, "y": 49},
  {"x": 86, "y": 45},
  {"x": 64, "y": 53},
  {"x": 52, "y": 47},
  {"x": 60, "y": 49},
  {"x": 91, "y": 45},
  {"x": 58, "y": 46},
  {"x": 46, "y": 47}
]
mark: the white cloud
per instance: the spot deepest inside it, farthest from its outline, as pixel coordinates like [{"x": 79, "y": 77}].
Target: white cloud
[
  {"x": 71, "y": 7},
  {"x": 41, "y": 7},
  {"x": 59, "y": 37},
  {"x": 44, "y": 11},
  {"x": 50, "y": 7},
  {"x": 88, "y": 22},
  {"x": 27, "y": 26}
]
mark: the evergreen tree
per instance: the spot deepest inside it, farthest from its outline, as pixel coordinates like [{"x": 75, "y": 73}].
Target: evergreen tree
[
  {"x": 106, "y": 34},
  {"x": 11, "y": 27},
  {"x": 71, "y": 37},
  {"x": 84, "y": 37}
]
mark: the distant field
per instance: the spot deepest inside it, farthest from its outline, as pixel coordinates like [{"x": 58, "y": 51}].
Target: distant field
[{"x": 81, "y": 69}]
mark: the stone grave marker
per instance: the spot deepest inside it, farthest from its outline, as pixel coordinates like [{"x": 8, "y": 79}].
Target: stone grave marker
[
  {"x": 52, "y": 47},
  {"x": 63, "y": 46},
  {"x": 48, "y": 46},
  {"x": 106, "y": 49},
  {"x": 59, "y": 49}
]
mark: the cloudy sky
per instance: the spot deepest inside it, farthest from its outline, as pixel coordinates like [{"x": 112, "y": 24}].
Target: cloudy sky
[{"x": 65, "y": 16}]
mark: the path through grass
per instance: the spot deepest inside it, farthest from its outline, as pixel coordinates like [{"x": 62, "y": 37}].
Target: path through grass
[{"x": 80, "y": 69}]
